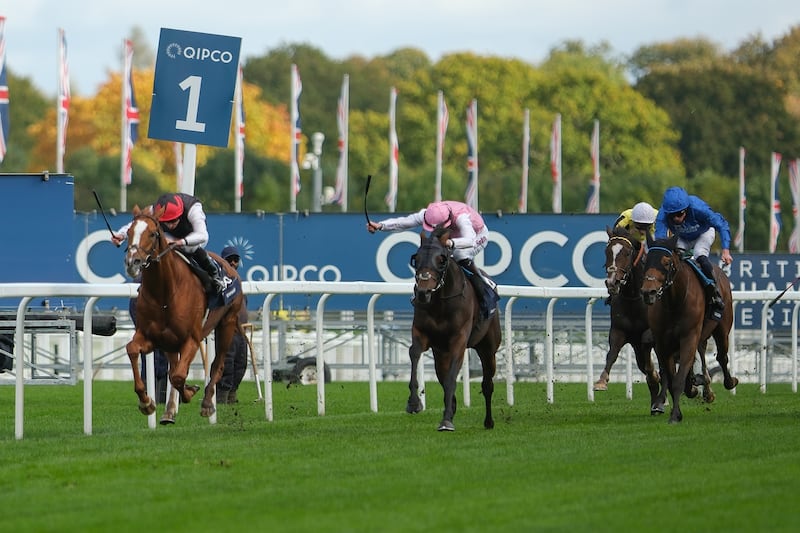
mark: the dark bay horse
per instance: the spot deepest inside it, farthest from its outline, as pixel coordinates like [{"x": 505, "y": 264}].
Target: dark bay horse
[
  {"x": 677, "y": 316},
  {"x": 170, "y": 309},
  {"x": 447, "y": 319},
  {"x": 624, "y": 276}
]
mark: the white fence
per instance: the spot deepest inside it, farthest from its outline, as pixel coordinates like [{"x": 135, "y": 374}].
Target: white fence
[{"x": 93, "y": 292}]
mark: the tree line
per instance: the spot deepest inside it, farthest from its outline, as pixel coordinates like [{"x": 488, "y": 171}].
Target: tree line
[{"x": 672, "y": 113}]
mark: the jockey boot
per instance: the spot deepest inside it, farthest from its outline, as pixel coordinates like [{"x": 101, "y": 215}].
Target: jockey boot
[
  {"x": 714, "y": 298},
  {"x": 206, "y": 263},
  {"x": 487, "y": 297}
]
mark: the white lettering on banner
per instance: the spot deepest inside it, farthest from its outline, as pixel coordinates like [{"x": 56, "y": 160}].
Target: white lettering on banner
[
  {"x": 82, "y": 259},
  {"x": 577, "y": 258},
  {"x": 201, "y": 54},
  {"x": 290, "y": 273},
  {"x": 254, "y": 273},
  {"x": 526, "y": 253}
]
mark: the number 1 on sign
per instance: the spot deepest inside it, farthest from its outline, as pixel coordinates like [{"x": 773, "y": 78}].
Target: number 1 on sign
[{"x": 190, "y": 124}]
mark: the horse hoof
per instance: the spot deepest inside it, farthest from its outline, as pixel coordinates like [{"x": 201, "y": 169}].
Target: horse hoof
[
  {"x": 207, "y": 411},
  {"x": 446, "y": 425},
  {"x": 692, "y": 393},
  {"x": 732, "y": 384},
  {"x": 488, "y": 424},
  {"x": 656, "y": 409},
  {"x": 167, "y": 420},
  {"x": 147, "y": 409},
  {"x": 600, "y": 386},
  {"x": 709, "y": 397},
  {"x": 413, "y": 408}
]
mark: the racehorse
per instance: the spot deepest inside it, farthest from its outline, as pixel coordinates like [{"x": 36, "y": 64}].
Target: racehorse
[
  {"x": 447, "y": 319},
  {"x": 625, "y": 272},
  {"x": 170, "y": 308},
  {"x": 676, "y": 312}
]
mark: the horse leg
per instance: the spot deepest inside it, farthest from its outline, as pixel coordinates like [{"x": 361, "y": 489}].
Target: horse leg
[
  {"x": 645, "y": 363},
  {"x": 616, "y": 340},
  {"x": 172, "y": 408},
  {"x": 419, "y": 344},
  {"x": 489, "y": 366},
  {"x": 448, "y": 365},
  {"x": 223, "y": 337},
  {"x": 179, "y": 369},
  {"x": 135, "y": 347},
  {"x": 704, "y": 378},
  {"x": 721, "y": 339}
]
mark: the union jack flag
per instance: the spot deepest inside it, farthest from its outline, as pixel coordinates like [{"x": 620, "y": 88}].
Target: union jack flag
[
  {"x": 394, "y": 153},
  {"x": 297, "y": 134},
  {"x": 555, "y": 163},
  {"x": 131, "y": 129},
  {"x": 63, "y": 99},
  {"x": 471, "y": 194},
  {"x": 794, "y": 183},
  {"x": 775, "y": 218},
  {"x": 593, "y": 202},
  {"x": 4, "y": 121},
  {"x": 342, "y": 115}
]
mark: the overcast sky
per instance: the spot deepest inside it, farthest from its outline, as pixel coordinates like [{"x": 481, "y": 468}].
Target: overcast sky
[{"x": 524, "y": 29}]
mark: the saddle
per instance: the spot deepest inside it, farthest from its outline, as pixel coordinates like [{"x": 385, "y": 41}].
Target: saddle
[{"x": 233, "y": 286}]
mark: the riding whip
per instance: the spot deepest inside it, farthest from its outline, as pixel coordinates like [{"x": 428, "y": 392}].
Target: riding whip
[
  {"x": 366, "y": 191},
  {"x": 778, "y": 297},
  {"x": 97, "y": 198}
]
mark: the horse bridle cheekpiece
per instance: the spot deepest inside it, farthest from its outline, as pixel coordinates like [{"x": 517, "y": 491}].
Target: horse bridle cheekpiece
[
  {"x": 670, "y": 272},
  {"x": 612, "y": 270},
  {"x": 156, "y": 235},
  {"x": 440, "y": 259}
]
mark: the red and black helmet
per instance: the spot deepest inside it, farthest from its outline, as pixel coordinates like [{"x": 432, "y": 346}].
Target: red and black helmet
[{"x": 173, "y": 206}]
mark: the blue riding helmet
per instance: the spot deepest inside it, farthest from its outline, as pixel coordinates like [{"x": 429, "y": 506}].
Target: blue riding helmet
[{"x": 675, "y": 199}]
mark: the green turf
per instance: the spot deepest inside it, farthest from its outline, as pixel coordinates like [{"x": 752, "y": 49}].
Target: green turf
[{"x": 568, "y": 466}]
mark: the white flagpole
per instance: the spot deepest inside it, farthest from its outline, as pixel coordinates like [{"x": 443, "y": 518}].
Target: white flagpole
[
  {"x": 437, "y": 195},
  {"x": 238, "y": 159},
  {"x": 555, "y": 163},
  {"x": 526, "y": 147}
]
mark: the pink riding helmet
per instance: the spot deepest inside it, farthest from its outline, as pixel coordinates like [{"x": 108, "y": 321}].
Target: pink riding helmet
[{"x": 435, "y": 214}]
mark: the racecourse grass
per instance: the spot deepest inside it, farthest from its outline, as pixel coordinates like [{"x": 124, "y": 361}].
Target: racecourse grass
[{"x": 572, "y": 465}]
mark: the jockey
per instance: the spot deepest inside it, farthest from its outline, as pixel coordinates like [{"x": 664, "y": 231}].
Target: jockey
[
  {"x": 183, "y": 222},
  {"x": 468, "y": 236},
  {"x": 639, "y": 221},
  {"x": 695, "y": 224}
]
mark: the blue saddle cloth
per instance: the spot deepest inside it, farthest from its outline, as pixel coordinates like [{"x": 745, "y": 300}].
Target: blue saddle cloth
[
  {"x": 699, "y": 271},
  {"x": 233, "y": 286}
]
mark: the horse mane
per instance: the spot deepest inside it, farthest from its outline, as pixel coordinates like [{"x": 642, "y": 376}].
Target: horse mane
[
  {"x": 623, "y": 233},
  {"x": 439, "y": 231}
]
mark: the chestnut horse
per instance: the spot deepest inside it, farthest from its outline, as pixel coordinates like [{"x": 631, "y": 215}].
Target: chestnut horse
[
  {"x": 677, "y": 316},
  {"x": 170, "y": 309},
  {"x": 625, "y": 272},
  {"x": 447, "y": 319}
]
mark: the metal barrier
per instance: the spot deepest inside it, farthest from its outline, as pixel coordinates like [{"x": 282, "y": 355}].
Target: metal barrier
[{"x": 28, "y": 291}]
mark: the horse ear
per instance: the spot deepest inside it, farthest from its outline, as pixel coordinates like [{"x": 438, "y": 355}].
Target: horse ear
[
  {"x": 422, "y": 236},
  {"x": 443, "y": 237},
  {"x": 136, "y": 210},
  {"x": 157, "y": 212},
  {"x": 609, "y": 231}
]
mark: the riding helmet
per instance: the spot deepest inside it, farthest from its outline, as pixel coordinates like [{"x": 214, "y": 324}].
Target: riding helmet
[
  {"x": 675, "y": 199},
  {"x": 229, "y": 251},
  {"x": 437, "y": 213},
  {"x": 173, "y": 206},
  {"x": 643, "y": 213}
]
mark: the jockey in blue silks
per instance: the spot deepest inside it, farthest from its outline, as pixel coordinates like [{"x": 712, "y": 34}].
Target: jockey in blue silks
[{"x": 696, "y": 226}]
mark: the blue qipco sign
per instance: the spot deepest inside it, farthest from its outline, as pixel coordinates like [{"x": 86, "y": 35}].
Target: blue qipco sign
[{"x": 193, "y": 88}]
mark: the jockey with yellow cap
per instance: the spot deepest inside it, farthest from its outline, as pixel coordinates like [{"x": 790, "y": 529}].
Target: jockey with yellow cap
[
  {"x": 468, "y": 236},
  {"x": 184, "y": 223}
]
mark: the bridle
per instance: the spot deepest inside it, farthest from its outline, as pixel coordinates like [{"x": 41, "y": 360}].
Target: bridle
[
  {"x": 626, "y": 272},
  {"x": 671, "y": 272},
  {"x": 150, "y": 255},
  {"x": 421, "y": 274}
]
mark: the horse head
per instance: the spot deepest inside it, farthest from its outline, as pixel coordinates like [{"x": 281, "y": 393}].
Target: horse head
[
  {"x": 622, "y": 257},
  {"x": 146, "y": 242},
  {"x": 430, "y": 264},
  {"x": 660, "y": 268}
]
